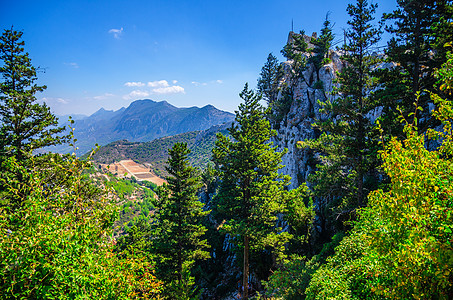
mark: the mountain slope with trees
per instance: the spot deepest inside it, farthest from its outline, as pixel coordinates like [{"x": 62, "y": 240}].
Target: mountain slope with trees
[{"x": 200, "y": 144}]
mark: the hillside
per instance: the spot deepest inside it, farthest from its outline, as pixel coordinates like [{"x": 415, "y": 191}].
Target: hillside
[
  {"x": 155, "y": 152},
  {"x": 142, "y": 121}
]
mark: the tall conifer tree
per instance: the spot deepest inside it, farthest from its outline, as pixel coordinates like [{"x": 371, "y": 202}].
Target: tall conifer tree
[
  {"x": 269, "y": 79},
  {"x": 420, "y": 28},
  {"x": 178, "y": 232},
  {"x": 25, "y": 125},
  {"x": 251, "y": 192},
  {"x": 322, "y": 45},
  {"x": 347, "y": 143}
]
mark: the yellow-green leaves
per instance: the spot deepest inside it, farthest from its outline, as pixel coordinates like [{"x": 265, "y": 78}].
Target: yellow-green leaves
[{"x": 401, "y": 246}]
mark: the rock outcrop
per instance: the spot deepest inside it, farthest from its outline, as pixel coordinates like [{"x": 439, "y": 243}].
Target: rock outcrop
[{"x": 315, "y": 86}]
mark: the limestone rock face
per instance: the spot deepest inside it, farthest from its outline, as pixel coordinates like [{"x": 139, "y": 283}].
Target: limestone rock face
[{"x": 305, "y": 109}]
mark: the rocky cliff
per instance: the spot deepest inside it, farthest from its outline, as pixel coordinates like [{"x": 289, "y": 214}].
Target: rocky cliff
[{"x": 315, "y": 86}]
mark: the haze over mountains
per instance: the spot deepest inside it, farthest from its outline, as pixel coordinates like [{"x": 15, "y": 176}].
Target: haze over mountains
[{"x": 144, "y": 120}]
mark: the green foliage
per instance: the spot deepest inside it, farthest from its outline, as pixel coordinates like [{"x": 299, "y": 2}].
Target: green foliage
[
  {"x": 401, "y": 246},
  {"x": 122, "y": 187},
  {"x": 269, "y": 80},
  {"x": 281, "y": 107},
  {"x": 420, "y": 29},
  {"x": 251, "y": 192},
  {"x": 56, "y": 244},
  {"x": 322, "y": 46},
  {"x": 291, "y": 280},
  {"x": 346, "y": 275},
  {"x": 295, "y": 51},
  {"x": 177, "y": 230},
  {"x": 348, "y": 144},
  {"x": 135, "y": 200},
  {"x": 25, "y": 124}
]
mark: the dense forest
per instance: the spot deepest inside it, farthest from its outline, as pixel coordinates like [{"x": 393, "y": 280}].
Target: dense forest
[{"x": 374, "y": 220}]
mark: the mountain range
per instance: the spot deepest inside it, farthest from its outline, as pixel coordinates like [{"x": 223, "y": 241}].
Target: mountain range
[{"x": 142, "y": 121}]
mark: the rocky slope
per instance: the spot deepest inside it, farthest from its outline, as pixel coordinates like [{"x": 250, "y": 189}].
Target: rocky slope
[{"x": 296, "y": 125}]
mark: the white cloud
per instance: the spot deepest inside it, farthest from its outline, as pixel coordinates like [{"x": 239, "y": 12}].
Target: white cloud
[
  {"x": 116, "y": 32},
  {"x": 102, "y": 97},
  {"x": 62, "y": 101},
  {"x": 169, "y": 90},
  {"x": 158, "y": 84},
  {"x": 72, "y": 64},
  {"x": 136, "y": 94},
  {"x": 134, "y": 84},
  {"x": 154, "y": 87},
  {"x": 196, "y": 83},
  {"x": 54, "y": 100},
  {"x": 219, "y": 81}
]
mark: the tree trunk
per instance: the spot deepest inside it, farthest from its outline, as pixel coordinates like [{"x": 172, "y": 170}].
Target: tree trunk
[{"x": 245, "y": 279}]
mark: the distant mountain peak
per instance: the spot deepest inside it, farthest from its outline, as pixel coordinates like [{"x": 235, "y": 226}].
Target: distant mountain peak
[
  {"x": 100, "y": 110},
  {"x": 144, "y": 120}
]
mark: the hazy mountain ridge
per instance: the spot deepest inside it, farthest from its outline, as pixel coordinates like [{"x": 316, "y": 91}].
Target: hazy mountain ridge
[{"x": 141, "y": 121}]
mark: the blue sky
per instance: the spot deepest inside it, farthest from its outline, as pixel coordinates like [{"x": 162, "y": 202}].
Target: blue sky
[{"x": 191, "y": 53}]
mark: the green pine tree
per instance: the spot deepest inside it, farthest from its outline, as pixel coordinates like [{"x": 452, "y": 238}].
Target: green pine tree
[
  {"x": 420, "y": 30},
  {"x": 25, "y": 124},
  {"x": 322, "y": 46},
  {"x": 347, "y": 146},
  {"x": 295, "y": 51},
  {"x": 251, "y": 191},
  {"x": 178, "y": 233},
  {"x": 269, "y": 79}
]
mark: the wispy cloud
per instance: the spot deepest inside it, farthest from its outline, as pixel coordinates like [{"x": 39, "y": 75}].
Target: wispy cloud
[
  {"x": 196, "y": 83},
  {"x": 175, "y": 81},
  {"x": 169, "y": 90},
  {"x": 134, "y": 84},
  {"x": 54, "y": 100},
  {"x": 219, "y": 81},
  {"x": 103, "y": 97},
  {"x": 72, "y": 64},
  {"x": 116, "y": 32},
  {"x": 136, "y": 94},
  {"x": 158, "y": 84}
]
